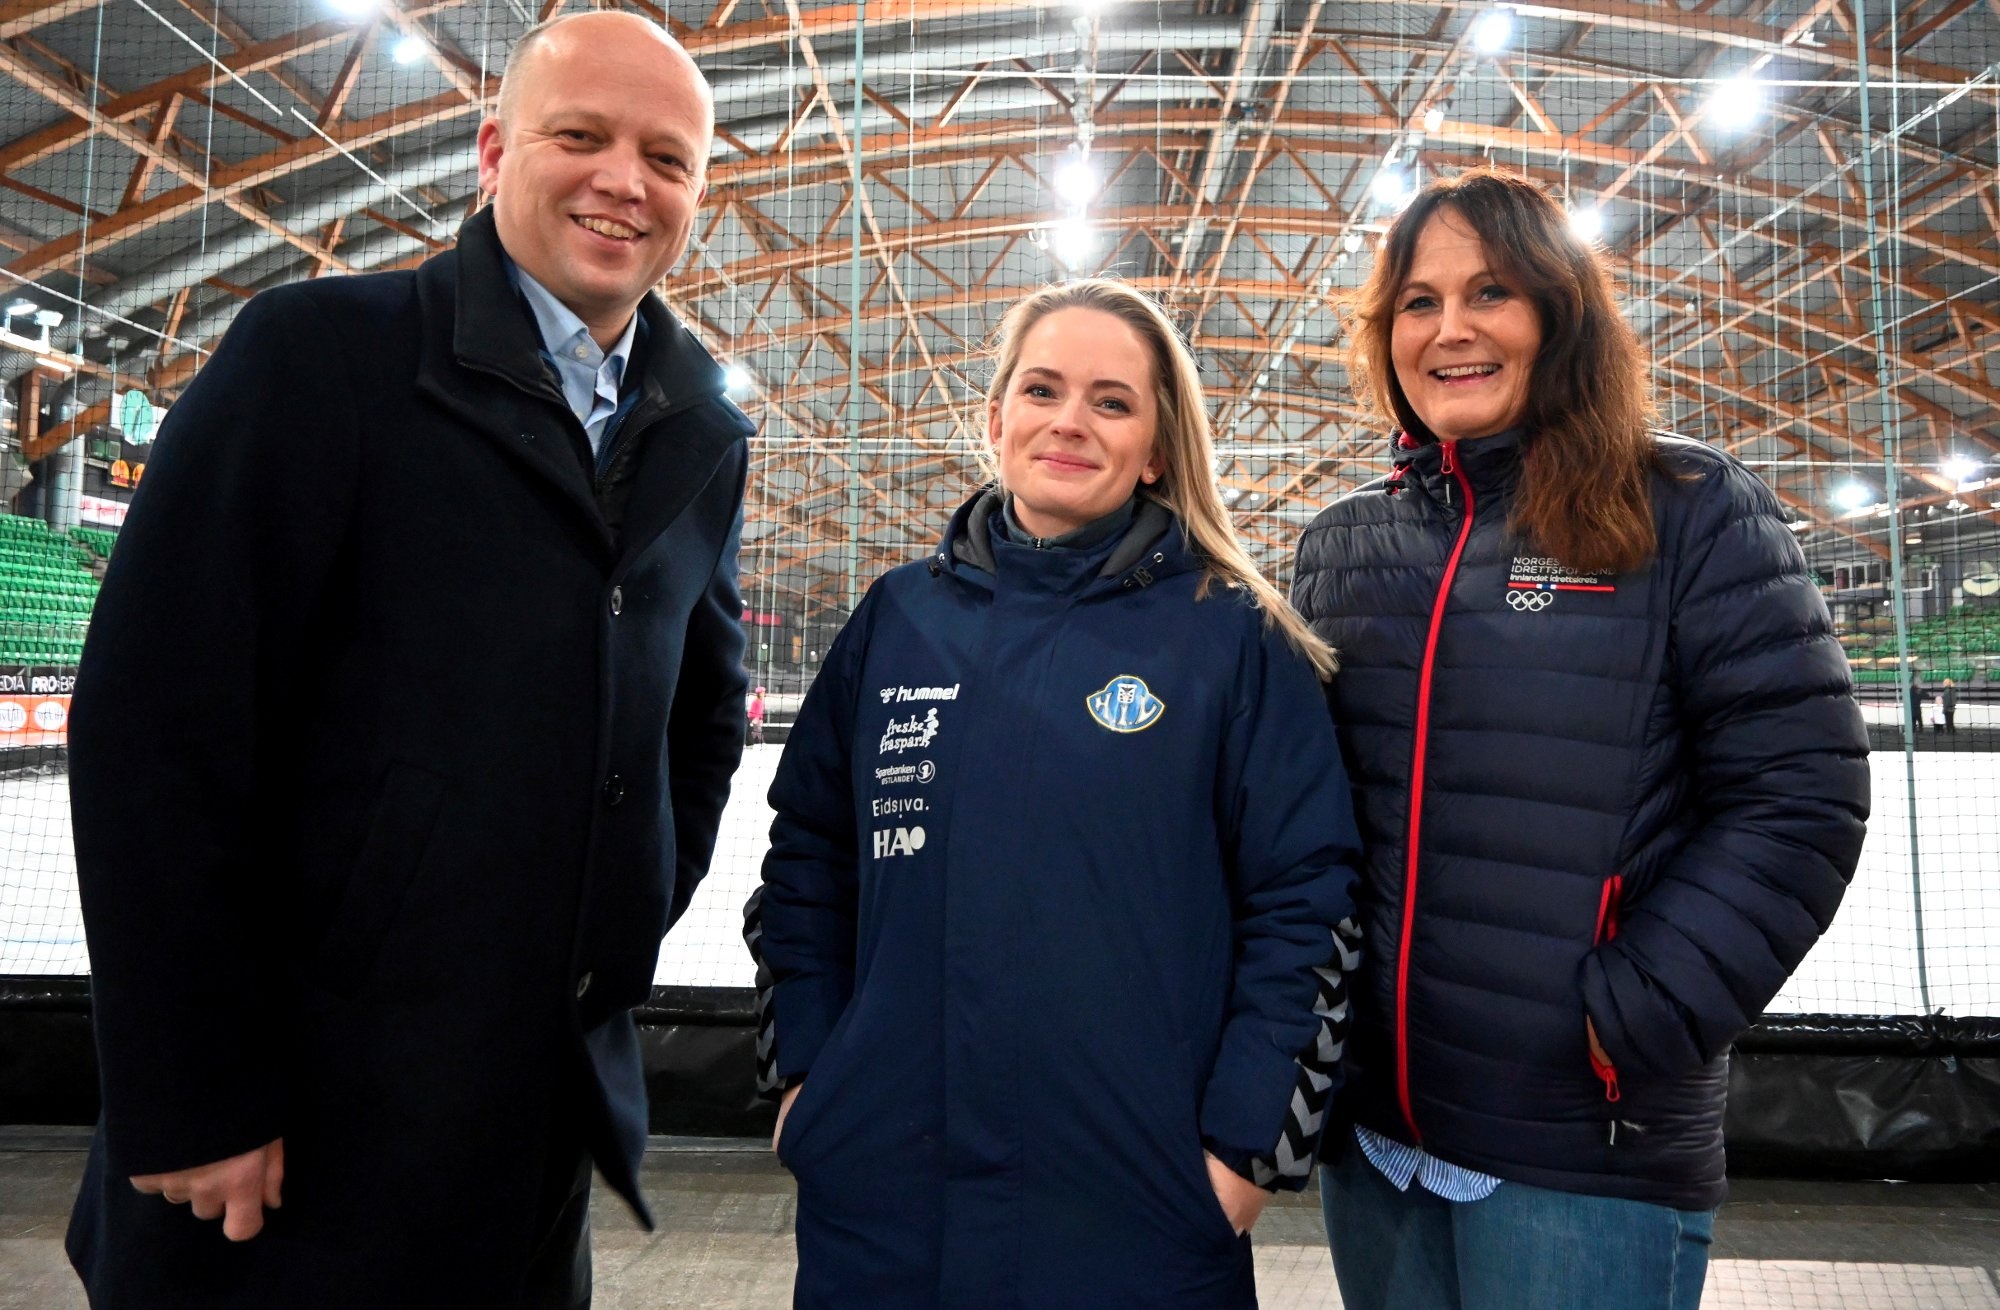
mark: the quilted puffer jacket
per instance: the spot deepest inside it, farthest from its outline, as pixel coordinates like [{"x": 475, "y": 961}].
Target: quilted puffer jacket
[{"x": 1633, "y": 798}]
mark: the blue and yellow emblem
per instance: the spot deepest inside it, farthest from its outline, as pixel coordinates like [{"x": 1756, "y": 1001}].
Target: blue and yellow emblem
[{"x": 1125, "y": 704}]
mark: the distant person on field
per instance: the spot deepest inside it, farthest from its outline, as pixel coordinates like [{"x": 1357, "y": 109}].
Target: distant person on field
[
  {"x": 757, "y": 717},
  {"x": 388, "y": 779},
  {"x": 1948, "y": 702}
]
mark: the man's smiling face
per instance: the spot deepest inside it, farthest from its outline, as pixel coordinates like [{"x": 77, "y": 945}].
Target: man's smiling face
[{"x": 599, "y": 164}]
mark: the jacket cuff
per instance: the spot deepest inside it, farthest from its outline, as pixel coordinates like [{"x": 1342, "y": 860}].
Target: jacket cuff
[
  {"x": 1244, "y": 1165},
  {"x": 1639, "y": 1026},
  {"x": 135, "y": 1148}
]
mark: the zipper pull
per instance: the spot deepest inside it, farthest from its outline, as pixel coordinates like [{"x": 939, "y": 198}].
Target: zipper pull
[{"x": 1450, "y": 468}]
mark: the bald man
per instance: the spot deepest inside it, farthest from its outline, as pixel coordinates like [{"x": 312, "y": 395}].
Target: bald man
[{"x": 403, "y": 733}]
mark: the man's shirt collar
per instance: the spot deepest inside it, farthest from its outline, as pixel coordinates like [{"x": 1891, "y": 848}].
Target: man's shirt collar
[
  {"x": 560, "y": 327},
  {"x": 591, "y": 377}
]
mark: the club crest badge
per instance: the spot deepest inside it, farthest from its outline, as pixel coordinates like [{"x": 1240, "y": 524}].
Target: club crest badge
[{"x": 1125, "y": 704}]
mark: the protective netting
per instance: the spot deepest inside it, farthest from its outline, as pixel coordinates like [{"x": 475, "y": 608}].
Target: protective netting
[{"x": 1806, "y": 238}]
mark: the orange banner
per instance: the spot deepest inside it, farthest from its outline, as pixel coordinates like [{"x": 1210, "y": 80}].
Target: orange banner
[{"x": 33, "y": 721}]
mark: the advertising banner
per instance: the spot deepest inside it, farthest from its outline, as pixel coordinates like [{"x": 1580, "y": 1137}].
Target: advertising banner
[{"x": 34, "y": 706}]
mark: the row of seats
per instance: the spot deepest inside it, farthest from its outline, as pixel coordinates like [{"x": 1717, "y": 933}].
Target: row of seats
[
  {"x": 97, "y": 541},
  {"x": 46, "y": 590}
]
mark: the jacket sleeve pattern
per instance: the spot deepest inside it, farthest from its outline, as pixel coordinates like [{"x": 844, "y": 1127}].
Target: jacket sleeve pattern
[
  {"x": 1289, "y": 1165},
  {"x": 1779, "y": 778},
  {"x": 1294, "y": 852},
  {"x": 800, "y": 925}
]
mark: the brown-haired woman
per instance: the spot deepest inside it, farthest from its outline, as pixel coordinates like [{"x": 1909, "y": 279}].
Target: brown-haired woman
[{"x": 1610, "y": 777}]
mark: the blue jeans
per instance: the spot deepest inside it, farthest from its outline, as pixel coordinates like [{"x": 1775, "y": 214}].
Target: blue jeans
[{"x": 1522, "y": 1248}]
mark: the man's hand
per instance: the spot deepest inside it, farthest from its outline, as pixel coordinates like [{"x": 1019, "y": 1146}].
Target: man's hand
[
  {"x": 1242, "y": 1200},
  {"x": 785, "y": 1108},
  {"x": 237, "y": 1190}
]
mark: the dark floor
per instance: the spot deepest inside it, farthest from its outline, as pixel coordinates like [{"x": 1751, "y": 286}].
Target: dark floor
[{"x": 725, "y": 1217}]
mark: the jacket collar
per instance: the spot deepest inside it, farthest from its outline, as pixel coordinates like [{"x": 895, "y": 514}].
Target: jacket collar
[
  {"x": 1491, "y": 464},
  {"x": 1154, "y": 547},
  {"x": 474, "y": 320},
  {"x": 493, "y": 332}
]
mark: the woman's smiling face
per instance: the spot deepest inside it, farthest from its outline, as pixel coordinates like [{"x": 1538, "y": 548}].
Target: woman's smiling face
[
  {"x": 1463, "y": 342},
  {"x": 1075, "y": 429}
]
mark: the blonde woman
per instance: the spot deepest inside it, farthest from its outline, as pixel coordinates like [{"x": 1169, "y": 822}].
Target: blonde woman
[{"x": 1062, "y": 841}]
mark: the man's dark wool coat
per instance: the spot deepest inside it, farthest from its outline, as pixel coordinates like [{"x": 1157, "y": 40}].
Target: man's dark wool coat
[{"x": 392, "y": 761}]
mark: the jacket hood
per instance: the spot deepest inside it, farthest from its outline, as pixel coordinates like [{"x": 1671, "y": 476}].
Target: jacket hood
[{"x": 1154, "y": 547}]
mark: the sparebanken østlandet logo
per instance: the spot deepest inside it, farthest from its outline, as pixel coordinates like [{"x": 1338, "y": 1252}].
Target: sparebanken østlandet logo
[{"x": 1125, "y": 704}]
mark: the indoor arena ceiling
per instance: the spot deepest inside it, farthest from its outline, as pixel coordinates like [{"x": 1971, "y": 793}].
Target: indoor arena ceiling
[{"x": 162, "y": 159}]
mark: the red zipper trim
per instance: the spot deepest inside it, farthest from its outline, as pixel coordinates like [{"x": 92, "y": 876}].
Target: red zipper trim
[
  {"x": 1417, "y": 802},
  {"x": 1607, "y": 929}
]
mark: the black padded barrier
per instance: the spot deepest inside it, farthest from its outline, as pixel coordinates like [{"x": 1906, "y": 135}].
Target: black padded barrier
[{"x": 1810, "y": 1096}]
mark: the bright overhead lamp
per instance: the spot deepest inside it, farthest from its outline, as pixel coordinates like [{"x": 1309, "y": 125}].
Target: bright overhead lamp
[
  {"x": 1587, "y": 221},
  {"x": 1433, "y": 119},
  {"x": 353, "y": 8},
  {"x": 1492, "y": 30},
  {"x": 1959, "y": 469},
  {"x": 738, "y": 380},
  {"x": 1853, "y": 496},
  {"x": 1075, "y": 181},
  {"x": 1072, "y": 242},
  {"x": 410, "y": 49},
  {"x": 1736, "y": 102},
  {"x": 1392, "y": 187}
]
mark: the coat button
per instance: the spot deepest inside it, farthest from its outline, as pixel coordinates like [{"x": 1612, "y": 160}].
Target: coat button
[
  {"x": 582, "y": 985},
  {"x": 617, "y": 601},
  {"x": 614, "y": 789},
  {"x": 527, "y": 436}
]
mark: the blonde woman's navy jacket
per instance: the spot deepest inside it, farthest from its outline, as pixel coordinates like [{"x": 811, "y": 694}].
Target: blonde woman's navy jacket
[
  {"x": 1634, "y": 798},
  {"x": 1050, "y": 907}
]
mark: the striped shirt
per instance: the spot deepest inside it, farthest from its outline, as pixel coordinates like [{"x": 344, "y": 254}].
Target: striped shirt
[{"x": 1400, "y": 1163}]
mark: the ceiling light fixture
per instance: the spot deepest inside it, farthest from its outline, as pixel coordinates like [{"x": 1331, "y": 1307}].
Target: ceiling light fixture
[
  {"x": 1736, "y": 102},
  {"x": 1072, "y": 242},
  {"x": 1492, "y": 30}
]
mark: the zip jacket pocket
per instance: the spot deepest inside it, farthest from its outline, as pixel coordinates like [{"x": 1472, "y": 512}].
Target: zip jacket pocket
[{"x": 1607, "y": 929}]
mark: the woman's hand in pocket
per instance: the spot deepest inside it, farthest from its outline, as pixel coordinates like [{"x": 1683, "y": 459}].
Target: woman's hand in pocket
[
  {"x": 785, "y": 1108},
  {"x": 1242, "y": 1200}
]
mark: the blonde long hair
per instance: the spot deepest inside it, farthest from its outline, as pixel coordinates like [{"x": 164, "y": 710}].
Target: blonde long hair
[{"x": 1182, "y": 443}]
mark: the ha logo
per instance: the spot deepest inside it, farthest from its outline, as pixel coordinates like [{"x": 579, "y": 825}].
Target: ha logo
[{"x": 891, "y": 842}]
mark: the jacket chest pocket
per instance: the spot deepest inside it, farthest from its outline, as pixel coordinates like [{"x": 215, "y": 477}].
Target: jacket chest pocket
[{"x": 399, "y": 831}]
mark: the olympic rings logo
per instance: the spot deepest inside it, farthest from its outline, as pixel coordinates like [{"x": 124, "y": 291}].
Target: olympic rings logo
[{"x": 1531, "y": 602}]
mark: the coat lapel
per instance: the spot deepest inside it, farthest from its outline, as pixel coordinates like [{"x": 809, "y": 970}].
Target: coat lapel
[
  {"x": 474, "y": 321},
  {"x": 685, "y": 424}
]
